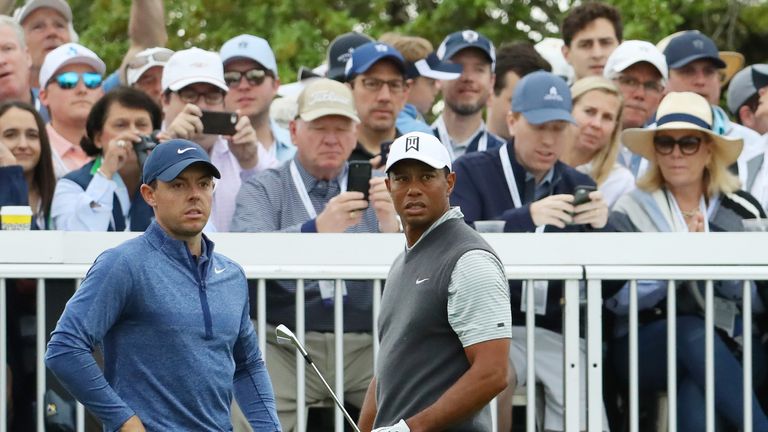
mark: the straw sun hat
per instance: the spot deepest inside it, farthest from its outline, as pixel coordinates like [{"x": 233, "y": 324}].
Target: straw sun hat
[{"x": 687, "y": 111}]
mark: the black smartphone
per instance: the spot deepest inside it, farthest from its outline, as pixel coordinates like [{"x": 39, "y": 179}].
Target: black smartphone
[
  {"x": 385, "y": 152},
  {"x": 358, "y": 179},
  {"x": 219, "y": 123},
  {"x": 581, "y": 194}
]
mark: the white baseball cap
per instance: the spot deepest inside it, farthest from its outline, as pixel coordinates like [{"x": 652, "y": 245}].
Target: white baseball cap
[
  {"x": 191, "y": 66},
  {"x": 419, "y": 146},
  {"x": 249, "y": 47},
  {"x": 631, "y": 52},
  {"x": 144, "y": 61},
  {"x": 67, "y": 54},
  {"x": 60, "y": 6}
]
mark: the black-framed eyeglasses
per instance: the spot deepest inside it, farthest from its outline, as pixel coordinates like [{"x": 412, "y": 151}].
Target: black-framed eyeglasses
[
  {"x": 634, "y": 84},
  {"x": 254, "y": 76},
  {"x": 688, "y": 144},
  {"x": 188, "y": 95},
  {"x": 69, "y": 80},
  {"x": 375, "y": 84},
  {"x": 161, "y": 56}
]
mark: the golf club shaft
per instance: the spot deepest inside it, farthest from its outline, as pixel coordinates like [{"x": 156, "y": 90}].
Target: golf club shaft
[{"x": 335, "y": 399}]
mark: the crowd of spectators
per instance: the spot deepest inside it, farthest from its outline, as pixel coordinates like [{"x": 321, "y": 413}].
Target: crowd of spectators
[{"x": 638, "y": 126}]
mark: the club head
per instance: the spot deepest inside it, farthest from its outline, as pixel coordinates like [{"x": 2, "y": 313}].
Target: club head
[{"x": 286, "y": 336}]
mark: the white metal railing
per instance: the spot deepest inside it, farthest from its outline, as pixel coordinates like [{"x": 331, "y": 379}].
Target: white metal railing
[{"x": 568, "y": 257}]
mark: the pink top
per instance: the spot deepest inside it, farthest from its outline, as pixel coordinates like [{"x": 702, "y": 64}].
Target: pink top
[{"x": 66, "y": 156}]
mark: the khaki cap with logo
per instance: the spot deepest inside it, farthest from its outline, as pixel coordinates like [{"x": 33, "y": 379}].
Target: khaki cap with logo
[{"x": 325, "y": 97}]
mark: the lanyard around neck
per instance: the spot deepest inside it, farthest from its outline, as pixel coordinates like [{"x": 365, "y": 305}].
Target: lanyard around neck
[
  {"x": 445, "y": 138},
  {"x": 509, "y": 176},
  {"x": 301, "y": 189}
]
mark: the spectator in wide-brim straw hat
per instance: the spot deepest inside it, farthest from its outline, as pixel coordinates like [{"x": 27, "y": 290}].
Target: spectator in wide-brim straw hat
[{"x": 687, "y": 188}]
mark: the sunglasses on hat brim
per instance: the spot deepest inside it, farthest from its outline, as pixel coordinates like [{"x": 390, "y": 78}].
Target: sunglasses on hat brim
[{"x": 157, "y": 57}]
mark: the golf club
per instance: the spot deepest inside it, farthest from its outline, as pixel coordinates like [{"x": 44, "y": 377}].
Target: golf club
[{"x": 286, "y": 336}]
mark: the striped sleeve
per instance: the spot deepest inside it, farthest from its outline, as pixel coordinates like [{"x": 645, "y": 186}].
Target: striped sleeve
[{"x": 478, "y": 299}]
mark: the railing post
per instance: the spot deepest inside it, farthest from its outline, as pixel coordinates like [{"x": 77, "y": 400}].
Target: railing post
[
  {"x": 672, "y": 355},
  {"x": 594, "y": 355},
  {"x": 633, "y": 369},
  {"x": 709, "y": 337},
  {"x": 747, "y": 358},
  {"x": 571, "y": 357},
  {"x": 301, "y": 400},
  {"x": 530, "y": 357},
  {"x": 3, "y": 358},
  {"x": 40, "y": 360},
  {"x": 338, "y": 317}
]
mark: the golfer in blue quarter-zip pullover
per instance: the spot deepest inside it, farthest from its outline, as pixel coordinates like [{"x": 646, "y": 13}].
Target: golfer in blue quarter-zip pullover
[{"x": 170, "y": 315}]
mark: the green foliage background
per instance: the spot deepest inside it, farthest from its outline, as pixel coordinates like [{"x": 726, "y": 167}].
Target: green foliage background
[{"x": 299, "y": 31}]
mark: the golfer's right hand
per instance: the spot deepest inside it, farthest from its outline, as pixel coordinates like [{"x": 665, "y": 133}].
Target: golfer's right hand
[
  {"x": 342, "y": 211},
  {"x": 133, "y": 425}
]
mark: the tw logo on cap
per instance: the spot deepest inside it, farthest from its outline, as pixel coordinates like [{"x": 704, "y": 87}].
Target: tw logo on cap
[
  {"x": 553, "y": 95},
  {"x": 412, "y": 143}
]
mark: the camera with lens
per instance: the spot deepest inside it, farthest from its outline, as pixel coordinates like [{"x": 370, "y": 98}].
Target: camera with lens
[{"x": 145, "y": 146}]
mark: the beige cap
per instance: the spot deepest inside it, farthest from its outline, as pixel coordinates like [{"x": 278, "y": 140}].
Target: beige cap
[{"x": 325, "y": 97}]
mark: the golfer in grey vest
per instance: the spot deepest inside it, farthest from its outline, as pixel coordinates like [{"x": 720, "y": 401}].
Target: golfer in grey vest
[{"x": 445, "y": 321}]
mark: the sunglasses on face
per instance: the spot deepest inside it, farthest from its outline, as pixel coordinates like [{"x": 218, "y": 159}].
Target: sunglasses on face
[
  {"x": 688, "y": 144},
  {"x": 69, "y": 80},
  {"x": 254, "y": 76},
  {"x": 157, "y": 57}
]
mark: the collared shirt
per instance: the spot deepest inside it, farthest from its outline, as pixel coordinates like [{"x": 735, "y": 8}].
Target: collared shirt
[
  {"x": 232, "y": 176},
  {"x": 66, "y": 155},
  {"x": 472, "y": 144},
  {"x": 538, "y": 190},
  {"x": 477, "y": 279},
  {"x": 362, "y": 153},
  {"x": 282, "y": 148}
]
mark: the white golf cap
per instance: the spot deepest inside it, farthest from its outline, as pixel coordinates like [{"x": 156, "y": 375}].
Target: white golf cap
[
  {"x": 60, "y": 6},
  {"x": 144, "y": 61},
  {"x": 631, "y": 52},
  {"x": 421, "y": 147},
  {"x": 191, "y": 66},
  {"x": 67, "y": 54},
  {"x": 249, "y": 47}
]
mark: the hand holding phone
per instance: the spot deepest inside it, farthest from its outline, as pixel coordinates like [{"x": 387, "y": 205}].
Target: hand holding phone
[{"x": 581, "y": 194}]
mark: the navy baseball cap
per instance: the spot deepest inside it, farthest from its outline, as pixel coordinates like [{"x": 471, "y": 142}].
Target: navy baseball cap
[
  {"x": 432, "y": 67},
  {"x": 339, "y": 52},
  {"x": 543, "y": 97},
  {"x": 170, "y": 158},
  {"x": 365, "y": 56},
  {"x": 691, "y": 46},
  {"x": 460, "y": 40}
]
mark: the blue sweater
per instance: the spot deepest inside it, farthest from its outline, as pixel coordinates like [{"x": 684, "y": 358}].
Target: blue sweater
[{"x": 176, "y": 336}]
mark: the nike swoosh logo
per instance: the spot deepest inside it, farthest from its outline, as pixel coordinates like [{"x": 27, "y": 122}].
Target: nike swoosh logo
[
  {"x": 420, "y": 281},
  {"x": 182, "y": 151},
  {"x": 218, "y": 270}
]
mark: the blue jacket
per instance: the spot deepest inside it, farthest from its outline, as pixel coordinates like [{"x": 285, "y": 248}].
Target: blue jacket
[
  {"x": 176, "y": 336},
  {"x": 482, "y": 193},
  {"x": 409, "y": 119}
]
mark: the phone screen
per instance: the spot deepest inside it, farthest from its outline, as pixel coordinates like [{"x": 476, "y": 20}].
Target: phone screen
[{"x": 358, "y": 179}]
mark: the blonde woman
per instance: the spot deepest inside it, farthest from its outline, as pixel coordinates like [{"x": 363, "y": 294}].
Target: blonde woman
[
  {"x": 597, "y": 107},
  {"x": 688, "y": 188}
]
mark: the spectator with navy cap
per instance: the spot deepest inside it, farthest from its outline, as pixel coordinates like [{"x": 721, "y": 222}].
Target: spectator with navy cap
[
  {"x": 461, "y": 127},
  {"x": 376, "y": 74},
  {"x": 250, "y": 71},
  {"x": 697, "y": 66},
  {"x": 524, "y": 184},
  {"x": 423, "y": 69},
  {"x": 339, "y": 52},
  {"x": 71, "y": 78}
]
